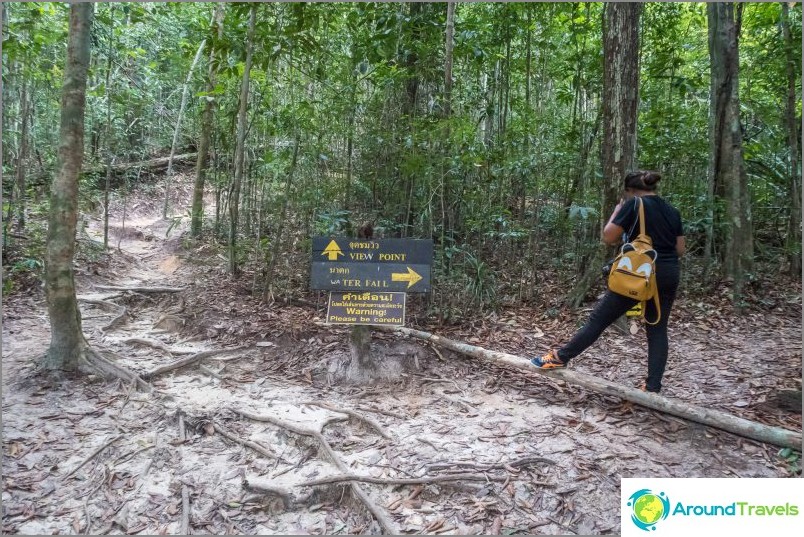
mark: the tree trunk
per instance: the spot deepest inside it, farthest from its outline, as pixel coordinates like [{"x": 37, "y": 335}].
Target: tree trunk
[
  {"x": 275, "y": 244},
  {"x": 450, "y": 31},
  {"x": 197, "y": 211},
  {"x": 67, "y": 341},
  {"x": 620, "y": 104},
  {"x": 726, "y": 167},
  {"x": 620, "y": 98},
  {"x": 240, "y": 149},
  {"x": 22, "y": 157},
  {"x": 792, "y": 123},
  {"x": 177, "y": 129}
]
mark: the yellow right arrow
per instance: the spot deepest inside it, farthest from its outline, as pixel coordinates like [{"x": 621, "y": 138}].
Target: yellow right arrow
[
  {"x": 332, "y": 250},
  {"x": 411, "y": 276}
]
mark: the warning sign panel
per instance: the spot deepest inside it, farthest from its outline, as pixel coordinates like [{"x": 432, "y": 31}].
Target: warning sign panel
[{"x": 387, "y": 309}]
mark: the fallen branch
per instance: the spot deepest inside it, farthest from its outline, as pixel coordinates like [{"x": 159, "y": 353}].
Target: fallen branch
[
  {"x": 356, "y": 415},
  {"x": 707, "y": 416},
  {"x": 144, "y": 290},
  {"x": 94, "y": 454},
  {"x": 406, "y": 481},
  {"x": 518, "y": 463},
  {"x": 387, "y": 525},
  {"x": 153, "y": 163},
  {"x": 184, "y": 362}
]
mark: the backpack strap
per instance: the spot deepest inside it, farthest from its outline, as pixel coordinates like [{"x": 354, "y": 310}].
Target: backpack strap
[
  {"x": 658, "y": 311},
  {"x": 641, "y": 216}
]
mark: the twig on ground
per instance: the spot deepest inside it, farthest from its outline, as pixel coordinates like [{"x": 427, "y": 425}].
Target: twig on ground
[
  {"x": 94, "y": 454},
  {"x": 242, "y": 441},
  {"x": 210, "y": 372},
  {"x": 518, "y": 463},
  {"x": 381, "y": 411}
]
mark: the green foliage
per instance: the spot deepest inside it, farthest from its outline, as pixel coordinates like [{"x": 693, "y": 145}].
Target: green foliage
[{"x": 512, "y": 171}]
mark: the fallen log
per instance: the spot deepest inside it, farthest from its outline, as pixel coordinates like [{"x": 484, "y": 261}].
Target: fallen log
[
  {"x": 707, "y": 416},
  {"x": 151, "y": 164}
]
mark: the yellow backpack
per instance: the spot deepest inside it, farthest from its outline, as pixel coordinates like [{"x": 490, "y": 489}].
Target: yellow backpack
[{"x": 633, "y": 272}]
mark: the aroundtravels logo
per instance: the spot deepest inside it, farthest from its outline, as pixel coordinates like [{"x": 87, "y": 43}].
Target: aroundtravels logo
[{"x": 648, "y": 508}]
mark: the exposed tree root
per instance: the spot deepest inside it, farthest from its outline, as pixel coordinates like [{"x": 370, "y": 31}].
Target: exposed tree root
[
  {"x": 154, "y": 344},
  {"x": 189, "y": 360},
  {"x": 385, "y": 522},
  {"x": 263, "y": 486},
  {"x": 144, "y": 290},
  {"x": 92, "y": 362},
  {"x": 117, "y": 321},
  {"x": 356, "y": 415}
]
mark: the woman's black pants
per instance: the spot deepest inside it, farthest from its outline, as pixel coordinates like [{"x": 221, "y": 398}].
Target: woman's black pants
[{"x": 612, "y": 306}]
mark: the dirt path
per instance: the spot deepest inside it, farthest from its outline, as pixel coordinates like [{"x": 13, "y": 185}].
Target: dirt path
[{"x": 448, "y": 415}]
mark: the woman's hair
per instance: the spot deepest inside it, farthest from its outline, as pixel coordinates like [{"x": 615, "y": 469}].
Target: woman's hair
[{"x": 642, "y": 180}]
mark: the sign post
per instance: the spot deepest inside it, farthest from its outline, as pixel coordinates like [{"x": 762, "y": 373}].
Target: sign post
[{"x": 368, "y": 281}]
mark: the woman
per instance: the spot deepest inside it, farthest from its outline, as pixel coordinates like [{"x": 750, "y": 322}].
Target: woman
[{"x": 663, "y": 224}]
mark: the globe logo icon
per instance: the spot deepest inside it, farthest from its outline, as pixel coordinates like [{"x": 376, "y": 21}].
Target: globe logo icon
[{"x": 648, "y": 508}]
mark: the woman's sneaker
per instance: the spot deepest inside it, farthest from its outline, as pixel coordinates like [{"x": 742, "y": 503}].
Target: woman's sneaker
[
  {"x": 644, "y": 388},
  {"x": 549, "y": 361}
]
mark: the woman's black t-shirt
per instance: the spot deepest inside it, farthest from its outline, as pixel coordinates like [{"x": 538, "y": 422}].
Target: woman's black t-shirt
[{"x": 662, "y": 223}]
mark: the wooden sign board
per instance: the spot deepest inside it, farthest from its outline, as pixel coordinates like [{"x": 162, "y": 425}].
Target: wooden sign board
[
  {"x": 386, "y": 265},
  {"x": 385, "y": 309},
  {"x": 377, "y": 277},
  {"x": 345, "y": 250}
]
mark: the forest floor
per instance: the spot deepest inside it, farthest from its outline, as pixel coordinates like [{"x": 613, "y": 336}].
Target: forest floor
[{"x": 546, "y": 457}]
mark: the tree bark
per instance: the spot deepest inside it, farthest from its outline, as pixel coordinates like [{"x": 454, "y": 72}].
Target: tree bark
[
  {"x": 620, "y": 98},
  {"x": 792, "y": 124},
  {"x": 620, "y": 104},
  {"x": 707, "y": 416},
  {"x": 240, "y": 149},
  {"x": 197, "y": 211},
  {"x": 726, "y": 166},
  {"x": 67, "y": 340}
]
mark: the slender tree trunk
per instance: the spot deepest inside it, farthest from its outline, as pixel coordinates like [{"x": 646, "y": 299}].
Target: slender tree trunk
[
  {"x": 792, "y": 123},
  {"x": 67, "y": 340},
  {"x": 177, "y": 129},
  {"x": 108, "y": 144},
  {"x": 280, "y": 229},
  {"x": 726, "y": 166},
  {"x": 240, "y": 149},
  {"x": 197, "y": 211},
  {"x": 22, "y": 157},
  {"x": 450, "y": 31}
]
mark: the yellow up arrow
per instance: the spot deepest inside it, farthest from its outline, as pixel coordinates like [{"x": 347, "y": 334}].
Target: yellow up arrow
[
  {"x": 412, "y": 277},
  {"x": 332, "y": 250}
]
